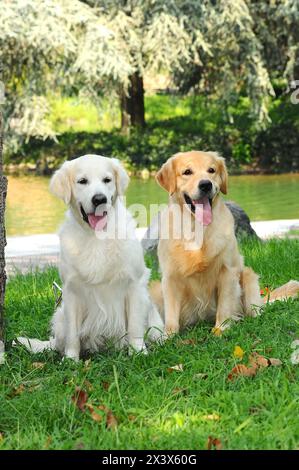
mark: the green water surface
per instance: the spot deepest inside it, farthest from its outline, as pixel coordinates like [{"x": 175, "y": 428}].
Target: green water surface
[{"x": 31, "y": 209}]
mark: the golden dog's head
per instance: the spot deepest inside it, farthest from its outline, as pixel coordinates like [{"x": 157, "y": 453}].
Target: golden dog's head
[{"x": 195, "y": 179}]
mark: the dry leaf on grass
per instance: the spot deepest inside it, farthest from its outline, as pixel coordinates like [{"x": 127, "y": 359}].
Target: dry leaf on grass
[
  {"x": 80, "y": 398},
  {"x": 48, "y": 442},
  {"x": 200, "y": 375},
  {"x": 211, "y": 417},
  {"x": 79, "y": 446},
  {"x": 190, "y": 341},
  {"x": 88, "y": 385},
  {"x": 38, "y": 365},
  {"x": 1, "y": 436},
  {"x": 213, "y": 443},
  {"x": 105, "y": 385},
  {"x": 17, "y": 391},
  {"x": 275, "y": 362},
  {"x": 242, "y": 370},
  {"x": 132, "y": 417},
  {"x": 178, "y": 367},
  {"x": 238, "y": 352},
  {"x": 257, "y": 360},
  {"x": 111, "y": 421},
  {"x": 96, "y": 416},
  {"x": 179, "y": 390}
]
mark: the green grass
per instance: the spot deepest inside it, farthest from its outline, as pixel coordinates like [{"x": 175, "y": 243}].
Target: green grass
[{"x": 255, "y": 413}]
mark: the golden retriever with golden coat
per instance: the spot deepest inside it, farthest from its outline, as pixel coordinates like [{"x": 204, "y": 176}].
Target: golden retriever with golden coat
[{"x": 210, "y": 281}]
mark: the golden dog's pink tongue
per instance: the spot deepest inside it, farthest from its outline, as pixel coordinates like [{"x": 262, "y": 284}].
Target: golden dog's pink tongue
[
  {"x": 203, "y": 211},
  {"x": 97, "y": 222}
]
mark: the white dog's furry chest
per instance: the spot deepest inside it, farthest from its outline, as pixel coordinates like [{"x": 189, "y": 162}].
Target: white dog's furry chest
[
  {"x": 106, "y": 318},
  {"x": 96, "y": 261}
]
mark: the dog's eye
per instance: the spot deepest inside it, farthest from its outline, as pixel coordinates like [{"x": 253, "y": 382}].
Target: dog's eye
[
  {"x": 82, "y": 181},
  {"x": 187, "y": 172},
  {"x": 211, "y": 170},
  {"x": 106, "y": 180}
]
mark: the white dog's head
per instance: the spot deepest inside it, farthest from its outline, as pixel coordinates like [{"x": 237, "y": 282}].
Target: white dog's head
[{"x": 90, "y": 185}]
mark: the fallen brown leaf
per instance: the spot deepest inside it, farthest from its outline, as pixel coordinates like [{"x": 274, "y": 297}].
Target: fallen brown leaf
[
  {"x": 17, "y": 391},
  {"x": 96, "y": 416},
  {"x": 255, "y": 410},
  {"x": 111, "y": 421},
  {"x": 200, "y": 375},
  {"x": 275, "y": 362},
  {"x": 80, "y": 398},
  {"x": 132, "y": 417},
  {"x": 48, "y": 442},
  {"x": 94, "y": 411},
  {"x": 257, "y": 360},
  {"x": 105, "y": 385},
  {"x": 178, "y": 367},
  {"x": 213, "y": 442},
  {"x": 79, "y": 445},
  {"x": 88, "y": 385},
  {"x": 38, "y": 365},
  {"x": 242, "y": 370},
  {"x": 1, "y": 436},
  {"x": 190, "y": 341},
  {"x": 179, "y": 390}
]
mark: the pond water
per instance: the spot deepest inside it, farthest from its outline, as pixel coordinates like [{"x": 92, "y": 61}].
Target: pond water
[{"x": 31, "y": 209}]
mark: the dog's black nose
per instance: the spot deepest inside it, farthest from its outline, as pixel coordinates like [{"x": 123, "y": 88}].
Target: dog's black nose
[
  {"x": 99, "y": 199},
  {"x": 205, "y": 186}
]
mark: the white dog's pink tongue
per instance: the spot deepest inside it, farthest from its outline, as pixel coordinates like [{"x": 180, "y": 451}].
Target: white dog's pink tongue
[
  {"x": 97, "y": 222},
  {"x": 203, "y": 211}
]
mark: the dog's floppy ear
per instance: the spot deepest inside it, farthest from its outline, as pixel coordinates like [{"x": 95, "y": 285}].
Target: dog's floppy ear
[
  {"x": 60, "y": 184},
  {"x": 122, "y": 177},
  {"x": 223, "y": 175},
  {"x": 166, "y": 176}
]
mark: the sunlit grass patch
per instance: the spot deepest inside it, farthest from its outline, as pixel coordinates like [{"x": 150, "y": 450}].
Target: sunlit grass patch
[{"x": 156, "y": 404}]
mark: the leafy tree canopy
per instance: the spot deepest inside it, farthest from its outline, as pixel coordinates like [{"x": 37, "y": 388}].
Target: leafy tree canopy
[{"x": 219, "y": 47}]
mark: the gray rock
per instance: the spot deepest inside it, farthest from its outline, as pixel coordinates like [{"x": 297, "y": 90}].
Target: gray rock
[
  {"x": 242, "y": 221},
  {"x": 242, "y": 227}
]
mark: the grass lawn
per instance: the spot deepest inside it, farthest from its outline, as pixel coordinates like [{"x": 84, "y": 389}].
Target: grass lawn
[{"x": 156, "y": 408}]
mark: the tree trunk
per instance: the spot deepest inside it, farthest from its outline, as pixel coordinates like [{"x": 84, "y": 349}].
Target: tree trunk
[
  {"x": 3, "y": 189},
  {"x": 132, "y": 104}
]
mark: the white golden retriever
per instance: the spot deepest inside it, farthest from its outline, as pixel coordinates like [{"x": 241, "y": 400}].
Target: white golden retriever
[{"x": 104, "y": 277}]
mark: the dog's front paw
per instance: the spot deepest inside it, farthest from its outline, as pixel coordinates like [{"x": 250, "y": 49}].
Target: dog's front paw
[
  {"x": 171, "y": 329},
  {"x": 137, "y": 346},
  {"x": 71, "y": 354}
]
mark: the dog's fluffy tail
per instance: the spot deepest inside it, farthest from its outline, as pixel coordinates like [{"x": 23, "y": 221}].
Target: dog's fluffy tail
[
  {"x": 290, "y": 289},
  {"x": 35, "y": 345}
]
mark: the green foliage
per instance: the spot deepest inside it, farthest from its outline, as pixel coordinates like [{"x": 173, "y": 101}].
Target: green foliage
[
  {"x": 156, "y": 409},
  {"x": 225, "y": 48},
  {"x": 174, "y": 124}
]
